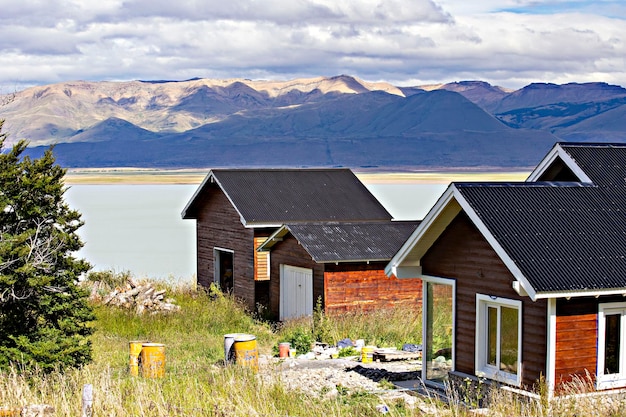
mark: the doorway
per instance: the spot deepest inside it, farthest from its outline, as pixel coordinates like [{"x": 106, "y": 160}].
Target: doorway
[
  {"x": 224, "y": 269},
  {"x": 296, "y": 292}
]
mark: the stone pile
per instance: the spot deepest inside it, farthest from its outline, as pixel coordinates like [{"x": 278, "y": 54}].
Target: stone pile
[{"x": 139, "y": 297}]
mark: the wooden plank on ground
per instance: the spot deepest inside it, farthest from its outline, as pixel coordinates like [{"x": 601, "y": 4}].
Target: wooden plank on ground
[{"x": 395, "y": 355}]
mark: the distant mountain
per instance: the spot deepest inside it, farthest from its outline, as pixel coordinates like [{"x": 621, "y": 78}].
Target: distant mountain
[{"x": 335, "y": 121}]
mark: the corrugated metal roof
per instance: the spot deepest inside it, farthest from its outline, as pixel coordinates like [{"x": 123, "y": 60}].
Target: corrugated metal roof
[
  {"x": 279, "y": 196},
  {"x": 344, "y": 242},
  {"x": 562, "y": 238},
  {"x": 603, "y": 163}
]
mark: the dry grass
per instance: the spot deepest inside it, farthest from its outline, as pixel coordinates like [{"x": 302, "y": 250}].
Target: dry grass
[{"x": 197, "y": 383}]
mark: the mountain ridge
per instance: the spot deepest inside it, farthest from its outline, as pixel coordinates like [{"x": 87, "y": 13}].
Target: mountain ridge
[{"x": 321, "y": 121}]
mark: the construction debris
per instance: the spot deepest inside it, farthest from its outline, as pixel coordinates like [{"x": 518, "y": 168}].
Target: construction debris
[
  {"x": 140, "y": 297},
  {"x": 388, "y": 355}
]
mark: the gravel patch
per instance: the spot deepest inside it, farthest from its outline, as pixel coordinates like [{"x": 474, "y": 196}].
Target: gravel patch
[{"x": 327, "y": 377}]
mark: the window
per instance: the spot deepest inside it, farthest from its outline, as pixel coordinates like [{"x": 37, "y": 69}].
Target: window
[
  {"x": 498, "y": 338},
  {"x": 611, "y": 371}
]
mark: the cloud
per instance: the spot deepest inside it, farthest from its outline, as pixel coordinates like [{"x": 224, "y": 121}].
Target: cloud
[{"x": 507, "y": 42}]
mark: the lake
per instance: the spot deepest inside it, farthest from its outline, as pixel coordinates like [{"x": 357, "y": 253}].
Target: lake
[{"x": 138, "y": 228}]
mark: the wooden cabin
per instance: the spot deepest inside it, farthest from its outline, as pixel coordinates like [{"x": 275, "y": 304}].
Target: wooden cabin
[
  {"x": 237, "y": 209},
  {"x": 535, "y": 273},
  {"x": 340, "y": 265}
]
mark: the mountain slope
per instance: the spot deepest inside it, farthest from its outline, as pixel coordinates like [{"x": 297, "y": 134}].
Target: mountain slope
[{"x": 324, "y": 121}]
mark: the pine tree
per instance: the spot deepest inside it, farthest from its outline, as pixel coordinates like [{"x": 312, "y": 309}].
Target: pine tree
[{"x": 44, "y": 314}]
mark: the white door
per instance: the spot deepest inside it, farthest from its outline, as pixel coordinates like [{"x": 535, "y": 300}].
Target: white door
[{"x": 296, "y": 292}]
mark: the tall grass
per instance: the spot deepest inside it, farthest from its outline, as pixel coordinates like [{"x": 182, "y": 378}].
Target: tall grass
[
  {"x": 196, "y": 382},
  {"x": 383, "y": 328}
]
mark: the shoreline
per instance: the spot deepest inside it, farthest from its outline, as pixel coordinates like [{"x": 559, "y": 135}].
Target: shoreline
[{"x": 135, "y": 176}]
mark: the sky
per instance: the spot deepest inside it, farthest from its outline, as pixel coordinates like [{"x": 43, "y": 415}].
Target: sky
[{"x": 510, "y": 43}]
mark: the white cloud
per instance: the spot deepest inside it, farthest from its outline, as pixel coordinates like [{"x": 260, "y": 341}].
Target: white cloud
[{"x": 506, "y": 42}]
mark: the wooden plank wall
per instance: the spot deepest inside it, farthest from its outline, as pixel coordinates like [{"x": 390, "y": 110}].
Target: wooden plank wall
[
  {"x": 576, "y": 339},
  {"x": 363, "y": 287},
  {"x": 219, "y": 225},
  {"x": 461, "y": 253},
  {"x": 261, "y": 260}
]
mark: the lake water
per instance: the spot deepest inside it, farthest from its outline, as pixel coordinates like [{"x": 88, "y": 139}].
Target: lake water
[{"x": 138, "y": 228}]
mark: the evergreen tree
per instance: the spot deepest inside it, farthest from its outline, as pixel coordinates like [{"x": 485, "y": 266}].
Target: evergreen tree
[{"x": 44, "y": 314}]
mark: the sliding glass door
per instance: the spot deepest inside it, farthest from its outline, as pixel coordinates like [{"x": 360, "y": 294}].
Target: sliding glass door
[{"x": 438, "y": 328}]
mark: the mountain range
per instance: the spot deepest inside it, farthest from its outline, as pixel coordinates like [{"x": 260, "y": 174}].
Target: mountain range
[{"x": 326, "y": 121}]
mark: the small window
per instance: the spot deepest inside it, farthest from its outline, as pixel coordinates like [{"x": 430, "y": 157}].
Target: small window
[
  {"x": 498, "y": 339},
  {"x": 611, "y": 372}
]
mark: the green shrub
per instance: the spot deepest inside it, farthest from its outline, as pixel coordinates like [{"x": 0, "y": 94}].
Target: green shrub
[{"x": 299, "y": 333}]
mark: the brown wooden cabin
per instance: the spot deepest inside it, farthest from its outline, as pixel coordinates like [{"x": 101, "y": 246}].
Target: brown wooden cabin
[
  {"x": 237, "y": 209},
  {"x": 341, "y": 265},
  {"x": 536, "y": 272}
]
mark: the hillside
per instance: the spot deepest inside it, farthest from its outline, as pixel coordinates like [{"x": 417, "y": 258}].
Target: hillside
[{"x": 335, "y": 121}]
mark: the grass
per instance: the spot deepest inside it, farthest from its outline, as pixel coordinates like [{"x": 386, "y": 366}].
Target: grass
[{"x": 196, "y": 382}]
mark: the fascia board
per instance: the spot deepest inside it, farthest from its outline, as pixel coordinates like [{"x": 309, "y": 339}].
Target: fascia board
[
  {"x": 195, "y": 195},
  {"x": 582, "y": 293},
  {"x": 273, "y": 238},
  {"x": 558, "y": 152},
  {"x": 504, "y": 256},
  {"x": 432, "y": 217}
]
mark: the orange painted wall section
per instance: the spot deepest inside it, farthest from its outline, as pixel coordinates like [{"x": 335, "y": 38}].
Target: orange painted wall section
[{"x": 363, "y": 290}]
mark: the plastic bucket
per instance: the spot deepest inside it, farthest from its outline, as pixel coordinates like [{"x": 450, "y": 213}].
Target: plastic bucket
[
  {"x": 134, "y": 348},
  {"x": 283, "y": 349},
  {"x": 367, "y": 354},
  {"x": 246, "y": 353},
  {"x": 152, "y": 360},
  {"x": 229, "y": 348}
]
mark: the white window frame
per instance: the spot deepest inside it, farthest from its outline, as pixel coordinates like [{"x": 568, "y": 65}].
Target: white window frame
[
  {"x": 483, "y": 369},
  {"x": 609, "y": 381}
]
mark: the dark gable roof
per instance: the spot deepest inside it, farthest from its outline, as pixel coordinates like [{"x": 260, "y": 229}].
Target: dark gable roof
[
  {"x": 562, "y": 238},
  {"x": 279, "y": 196},
  {"x": 352, "y": 242},
  {"x": 604, "y": 163},
  {"x": 562, "y": 233}
]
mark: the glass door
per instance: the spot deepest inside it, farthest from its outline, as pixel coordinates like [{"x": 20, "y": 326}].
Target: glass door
[{"x": 438, "y": 325}]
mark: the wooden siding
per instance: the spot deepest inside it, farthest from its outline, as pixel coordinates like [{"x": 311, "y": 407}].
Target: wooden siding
[
  {"x": 290, "y": 252},
  {"x": 359, "y": 286},
  {"x": 261, "y": 261},
  {"x": 218, "y": 225},
  {"x": 577, "y": 337},
  {"x": 463, "y": 254}
]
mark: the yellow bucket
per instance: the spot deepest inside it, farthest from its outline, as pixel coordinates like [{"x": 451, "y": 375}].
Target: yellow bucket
[
  {"x": 367, "y": 354},
  {"x": 246, "y": 353},
  {"x": 134, "y": 348},
  {"x": 10, "y": 412},
  {"x": 152, "y": 360}
]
